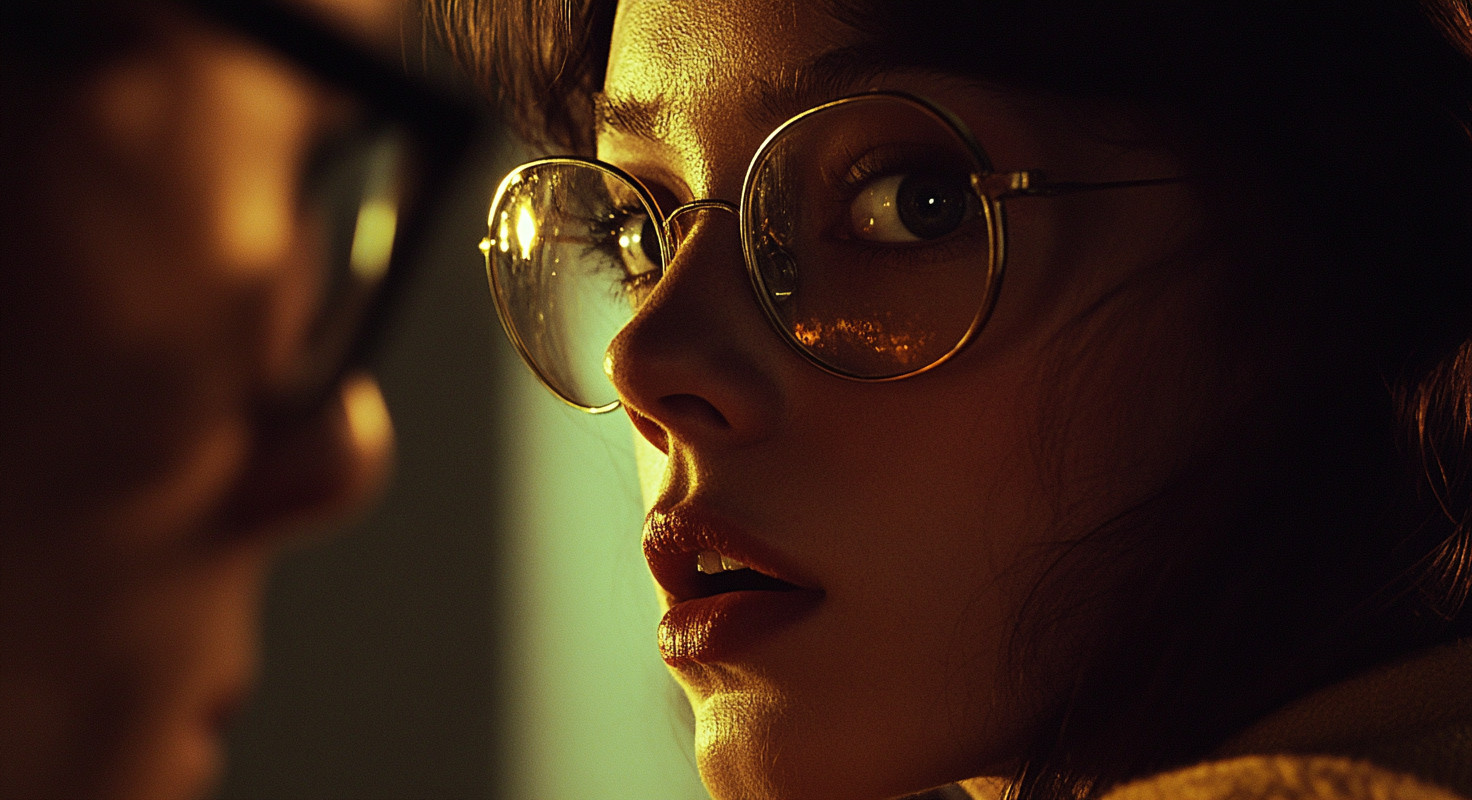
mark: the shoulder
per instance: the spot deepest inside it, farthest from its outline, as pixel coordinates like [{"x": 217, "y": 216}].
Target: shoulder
[{"x": 1283, "y": 777}]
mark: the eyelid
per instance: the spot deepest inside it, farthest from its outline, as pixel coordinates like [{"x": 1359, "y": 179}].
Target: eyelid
[
  {"x": 646, "y": 162},
  {"x": 855, "y": 170}
]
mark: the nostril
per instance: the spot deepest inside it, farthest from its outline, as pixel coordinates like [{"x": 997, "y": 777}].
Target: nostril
[
  {"x": 649, "y": 429},
  {"x": 694, "y": 409}
]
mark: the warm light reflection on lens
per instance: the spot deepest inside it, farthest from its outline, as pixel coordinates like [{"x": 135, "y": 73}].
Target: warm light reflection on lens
[
  {"x": 862, "y": 345},
  {"x": 526, "y": 232},
  {"x": 503, "y": 234}
]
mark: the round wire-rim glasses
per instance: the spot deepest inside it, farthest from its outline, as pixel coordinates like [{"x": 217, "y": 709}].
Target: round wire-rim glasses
[{"x": 537, "y": 270}]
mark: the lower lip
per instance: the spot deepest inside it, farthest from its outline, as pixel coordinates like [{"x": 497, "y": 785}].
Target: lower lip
[{"x": 720, "y": 627}]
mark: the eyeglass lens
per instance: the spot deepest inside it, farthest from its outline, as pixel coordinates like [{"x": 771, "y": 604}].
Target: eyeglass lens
[
  {"x": 868, "y": 247},
  {"x": 357, "y": 181},
  {"x": 573, "y": 250}
]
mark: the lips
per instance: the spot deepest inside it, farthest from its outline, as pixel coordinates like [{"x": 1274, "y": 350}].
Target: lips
[{"x": 726, "y": 590}]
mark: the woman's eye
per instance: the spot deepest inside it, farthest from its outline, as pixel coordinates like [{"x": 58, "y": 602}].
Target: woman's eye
[
  {"x": 910, "y": 208},
  {"x": 637, "y": 240}
]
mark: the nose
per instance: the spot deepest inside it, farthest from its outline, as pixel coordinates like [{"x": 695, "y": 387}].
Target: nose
[
  {"x": 697, "y": 362},
  {"x": 306, "y": 468}
]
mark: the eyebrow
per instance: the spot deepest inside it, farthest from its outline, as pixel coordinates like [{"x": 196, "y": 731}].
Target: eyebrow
[{"x": 773, "y": 99}]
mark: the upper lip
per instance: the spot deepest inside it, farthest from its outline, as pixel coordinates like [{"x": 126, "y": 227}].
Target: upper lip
[{"x": 673, "y": 538}]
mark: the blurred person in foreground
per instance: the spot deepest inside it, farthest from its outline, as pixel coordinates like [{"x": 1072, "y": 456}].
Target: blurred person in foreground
[{"x": 207, "y": 207}]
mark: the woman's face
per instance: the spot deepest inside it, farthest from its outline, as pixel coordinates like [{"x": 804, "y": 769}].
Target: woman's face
[
  {"x": 914, "y": 516},
  {"x": 157, "y": 285}
]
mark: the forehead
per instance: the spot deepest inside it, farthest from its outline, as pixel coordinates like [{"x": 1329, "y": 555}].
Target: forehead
[
  {"x": 728, "y": 64},
  {"x": 657, "y": 39}
]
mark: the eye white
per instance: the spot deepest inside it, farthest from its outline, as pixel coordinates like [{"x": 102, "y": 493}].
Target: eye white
[{"x": 875, "y": 214}]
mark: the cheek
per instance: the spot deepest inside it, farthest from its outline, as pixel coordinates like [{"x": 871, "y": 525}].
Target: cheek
[{"x": 1130, "y": 361}]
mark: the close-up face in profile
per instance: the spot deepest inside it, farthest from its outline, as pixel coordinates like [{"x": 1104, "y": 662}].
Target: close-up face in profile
[
  {"x": 166, "y": 281},
  {"x": 845, "y": 564}
]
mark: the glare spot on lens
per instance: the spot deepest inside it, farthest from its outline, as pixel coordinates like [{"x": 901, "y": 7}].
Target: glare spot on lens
[
  {"x": 503, "y": 233},
  {"x": 526, "y": 232}
]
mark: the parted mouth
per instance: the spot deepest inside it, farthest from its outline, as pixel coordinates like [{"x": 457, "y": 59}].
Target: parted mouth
[
  {"x": 694, "y": 556},
  {"x": 718, "y": 573}
]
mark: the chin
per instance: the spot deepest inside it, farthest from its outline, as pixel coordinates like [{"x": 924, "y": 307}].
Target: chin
[{"x": 748, "y": 749}]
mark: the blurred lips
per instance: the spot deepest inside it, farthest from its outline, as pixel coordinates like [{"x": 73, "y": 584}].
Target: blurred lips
[{"x": 717, "y": 612}]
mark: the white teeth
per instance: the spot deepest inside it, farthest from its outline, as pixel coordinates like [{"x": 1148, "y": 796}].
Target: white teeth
[{"x": 712, "y": 563}]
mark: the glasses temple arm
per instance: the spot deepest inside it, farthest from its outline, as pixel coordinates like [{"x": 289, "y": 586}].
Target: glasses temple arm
[{"x": 1032, "y": 183}]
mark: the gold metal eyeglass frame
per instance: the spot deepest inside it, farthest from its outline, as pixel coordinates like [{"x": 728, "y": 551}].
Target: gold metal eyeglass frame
[{"x": 991, "y": 188}]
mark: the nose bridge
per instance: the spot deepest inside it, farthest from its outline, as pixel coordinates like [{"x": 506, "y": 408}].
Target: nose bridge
[
  {"x": 677, "y": 229},
  {"x": 692, "y": 359}
]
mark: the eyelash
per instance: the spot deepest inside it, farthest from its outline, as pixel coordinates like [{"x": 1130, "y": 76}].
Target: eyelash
[{"x": 602, "y": 242}]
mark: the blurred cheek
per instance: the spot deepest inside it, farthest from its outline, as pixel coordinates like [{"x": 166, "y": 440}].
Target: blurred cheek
[
  {"x": 193, "y": 643},
  {"x": 195, "y": 185},
  {"x": 164, "y": 280}
]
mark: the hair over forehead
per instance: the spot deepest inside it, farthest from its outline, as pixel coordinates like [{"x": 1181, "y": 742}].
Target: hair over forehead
[{"x": 550, "y": 54}]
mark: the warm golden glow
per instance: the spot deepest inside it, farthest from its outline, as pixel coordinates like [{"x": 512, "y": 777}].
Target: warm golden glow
[
  {"x": 526, "y": 232},
  {"x": 865, "y": 341},
  {"x": 373, "y": 240},
  {"x": 503, "y": 234}
]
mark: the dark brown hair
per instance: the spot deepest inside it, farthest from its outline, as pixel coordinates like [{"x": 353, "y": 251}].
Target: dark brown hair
[{"x": 1343, "y": 536}]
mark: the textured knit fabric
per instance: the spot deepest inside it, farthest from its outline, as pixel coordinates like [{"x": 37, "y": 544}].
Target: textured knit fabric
[
  {"x": 1403, "y": 732},
  {"x": 1284, "y": 777}
]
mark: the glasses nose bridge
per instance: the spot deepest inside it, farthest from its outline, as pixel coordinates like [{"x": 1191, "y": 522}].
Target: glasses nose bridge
[{"x": 676, "y": 230}]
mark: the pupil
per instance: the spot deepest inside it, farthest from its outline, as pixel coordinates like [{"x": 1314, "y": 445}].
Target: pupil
[
  {"x": 649, "y": 242},
  {"x": 930, "y": 207}
]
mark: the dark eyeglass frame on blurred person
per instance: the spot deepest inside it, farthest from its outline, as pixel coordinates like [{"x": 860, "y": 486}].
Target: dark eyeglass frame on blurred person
[{"x": 422, "y": 133}]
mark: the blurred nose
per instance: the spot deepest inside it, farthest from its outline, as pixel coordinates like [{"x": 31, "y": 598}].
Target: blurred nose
[
  {"x": 696, "y": 362},
  {"x": 308, "y": 468}
]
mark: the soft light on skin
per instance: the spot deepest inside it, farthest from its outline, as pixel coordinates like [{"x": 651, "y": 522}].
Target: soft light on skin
[
  {"x": 143, "y": 108},
  {"x": 651, "y": 464}
]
